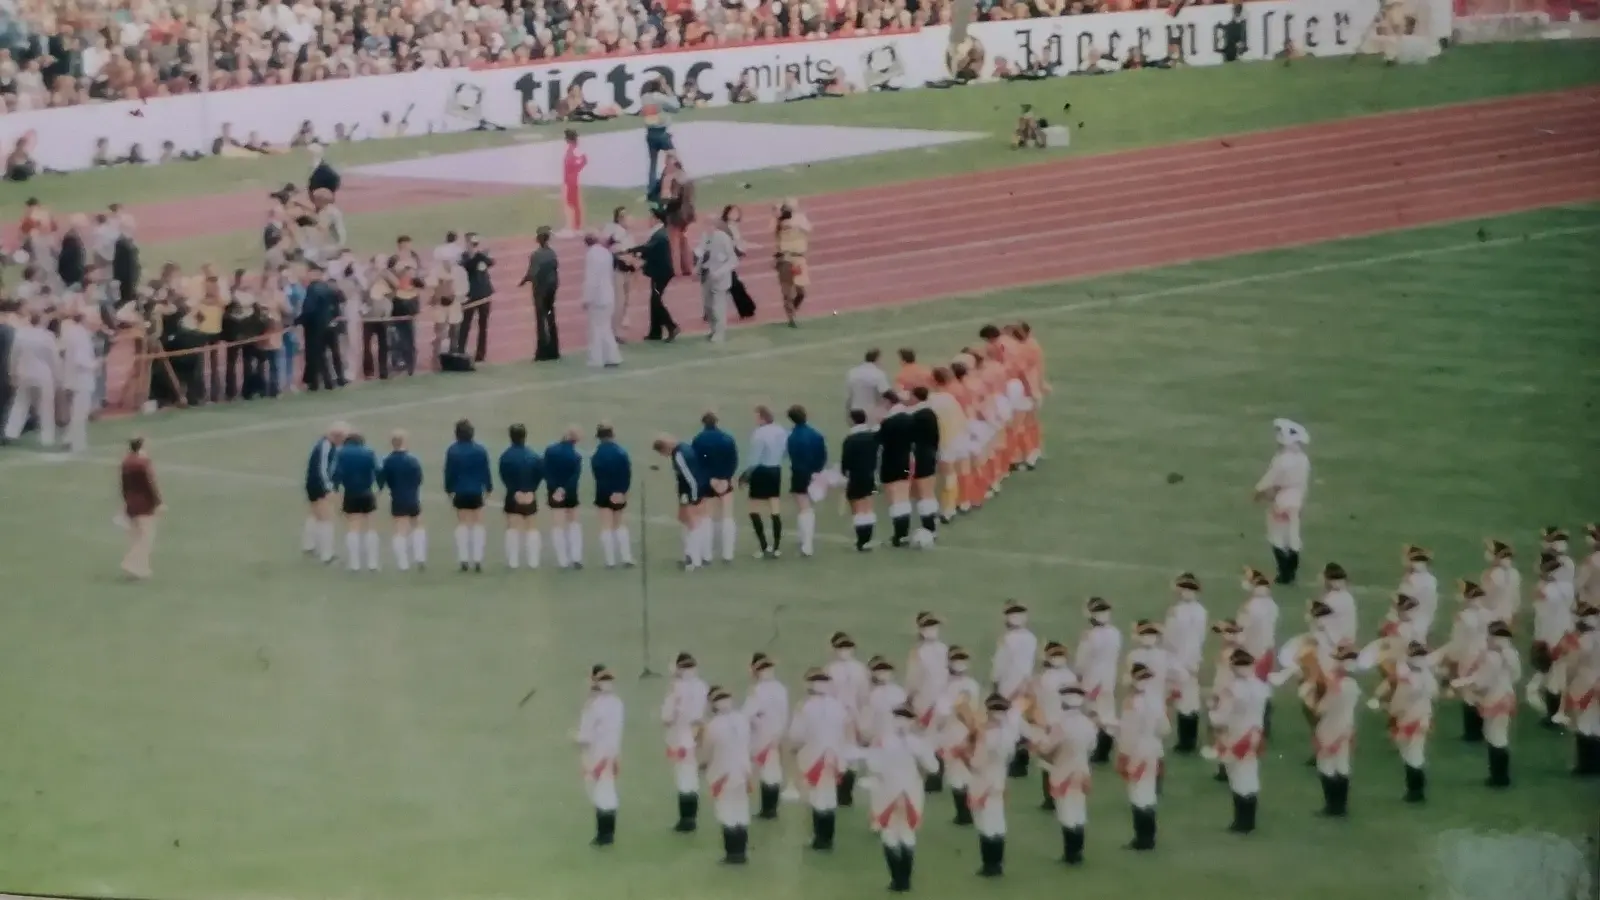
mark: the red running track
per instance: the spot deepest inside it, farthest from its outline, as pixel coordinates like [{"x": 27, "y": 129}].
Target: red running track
[{"x": 1069, "y": 218}]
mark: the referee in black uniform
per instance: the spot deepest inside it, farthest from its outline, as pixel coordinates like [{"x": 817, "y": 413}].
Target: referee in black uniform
[
  {"x": 894, "y": 466},
  {"x": 858, "y": 463},
  {"x": 924, "y": 465},
  {"x": 769, "y": 444}
]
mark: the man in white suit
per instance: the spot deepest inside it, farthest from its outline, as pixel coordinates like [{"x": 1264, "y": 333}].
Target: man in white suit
[
  {"x": 719, "y": 256},
  {"x": 600, "y": 301},
  {"x": 35, "y": 372}
]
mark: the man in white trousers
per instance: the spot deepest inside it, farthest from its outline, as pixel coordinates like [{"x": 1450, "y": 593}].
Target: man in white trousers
[
  {"x": 719, "y": 256},
  {"x": 35, "y": 372},
  {"x": 600, "y": 301},
  {"x": 78, "y": 366}
]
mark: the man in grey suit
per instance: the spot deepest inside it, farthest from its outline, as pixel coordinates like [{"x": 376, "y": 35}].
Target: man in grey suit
[{"x": 719, "y": 256}]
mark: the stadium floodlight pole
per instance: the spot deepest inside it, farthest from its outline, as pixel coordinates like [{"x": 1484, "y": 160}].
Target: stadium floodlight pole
[{"x": 644, "y": 578}]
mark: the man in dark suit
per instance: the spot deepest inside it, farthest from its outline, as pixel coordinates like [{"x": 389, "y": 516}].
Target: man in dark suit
[
  {"x": 544, "y": 275},
  {"x": 655, "y": 256},
  {"x": 72, "y": 263},
  {"x": 7, "y": 338},
  {"x": 317, "y": 314},
  {"x": 125, "y": 266},
  {"x": 480, "y": 296}
]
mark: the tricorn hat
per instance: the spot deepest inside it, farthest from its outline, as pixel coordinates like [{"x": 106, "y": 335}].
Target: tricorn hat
[
  {"x": 841, "y": 641},
  {"x": 1334, "y": 572},
  {"x": 1413, "y": 553},
  {"x": 684, "y": 661},
  {"x": 1186, "y": 582},
  {"x": 1255, "y": 577}
]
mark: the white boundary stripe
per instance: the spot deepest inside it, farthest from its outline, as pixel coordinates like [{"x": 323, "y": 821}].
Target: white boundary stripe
[{"x": 276, "y": 423}]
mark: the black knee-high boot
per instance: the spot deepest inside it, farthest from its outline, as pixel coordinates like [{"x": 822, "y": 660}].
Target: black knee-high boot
[
  {"x": 1072, "y": 845},
  {"x": 1341, "y": 795},
  {"x": 1330, "y": 794},
  {"x": 769, "y": 801},
  {"x": 934, "y": 783},
  {"x": 1471, "y": 724},
  {"x": 1188, "y": 733},
  {"x": 1416, "y": 785},
  {"x": 891, "y": 859},
  {"x": 1266, "y": 721},
  {"x": 1552, "y": 706},
  {"x": 847, "y": 789},
  {"x": 822, "y": 829},
  {"x": 688, "y": 812},
  {"x": 1019, "y": 762},
  {"x": 1588, "y": 756},
  {"x": 1102, "y": 748},
  {"x": 1280, "y": 557},
  {"x": 963, "y": 812},
  {"x": 1144, "y": 829},
  {"x": 1049, "y": 802},
  {"x": 1499, "y": 767},
  {"x": 605, "y": 827},
  {"x": 1241, "y": 817},
  {"x": 1294, "y": 565},
  {"x": 991, "y": 852},
  {"x": 735, "y": 841}
]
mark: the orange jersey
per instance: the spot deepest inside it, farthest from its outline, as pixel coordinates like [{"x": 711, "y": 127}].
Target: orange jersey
[
  {"x": 1033, "y": 365},
  {"x": 911, "y": 376},
  {"x": 963, "y": 394}
]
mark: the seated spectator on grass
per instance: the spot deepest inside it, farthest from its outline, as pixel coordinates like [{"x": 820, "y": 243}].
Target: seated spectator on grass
[
  {"x": 744, "y": 91},
  {"x": 795, "y": 90},
  {"x": 1173, "y": 59},
  {"x": 692, "y": 95},
  {"x": 574, "y": 108}
]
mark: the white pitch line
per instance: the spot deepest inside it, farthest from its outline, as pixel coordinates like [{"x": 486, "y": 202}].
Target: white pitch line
[{"x": 862, "y": 339}]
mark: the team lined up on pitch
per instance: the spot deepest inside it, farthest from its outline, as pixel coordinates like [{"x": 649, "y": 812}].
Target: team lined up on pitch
[{"x": 937, "y": 442}]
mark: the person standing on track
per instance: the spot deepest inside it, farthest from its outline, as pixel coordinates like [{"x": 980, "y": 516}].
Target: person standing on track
[
  {"x": 793, "y": 241},
  {"x": 655, "y": 260},
  {"x": 544, "y": 275},
  {"x": 141, "y": 504},
  {"x": 600, "y": 302},
  {"x": 616, "y": 238},
  {"x": 572, "y": 165}
]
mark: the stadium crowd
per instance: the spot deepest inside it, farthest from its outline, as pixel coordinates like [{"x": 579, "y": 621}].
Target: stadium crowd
[{"x": 66, "y": 52}]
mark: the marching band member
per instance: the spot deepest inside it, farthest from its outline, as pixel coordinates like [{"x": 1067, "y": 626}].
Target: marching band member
[
  {"x": 1389, "y": 651},
  {"x": 924, "y": 466},
  {"x": 1258, "y": 627},
  {"x": 718, "y": 454},
  {"x": 808, "y": 457},
  {"x": 1222, "y": 676},
  {"x": 1140, "y": 733},
  {"x": 563, "y": 470},
  {"x": 1502, "y": 583},
  {"x": 883, "y": 698},
  {"x": 1335, "y": 729},
  {"x": 1283, "y": 488},
  {"x": 1459, "y": 658},
  {"x": 1411, "y": 717},
  {"x": 613, "y": 478},
  {"x": 357, "y": 477},
  {"x": 1148, "y": 649},
  {"x": 1552, "y": 622},
  {"x": 1012, "y": 668},
  {"x": 1582, "y": 702},
  {"x": 1185, "y": 643},
  {"x": 317, "y": 535},
  {"x": 697, "y": 545},
  {"x": 991, "y": 758},
  {"x": 1336, "y": 593},
  {"x": 820, "y": 733},
  {"x": 896, "y": 445},
  {"x": 953, "y": 728},
  {"x": 468, "y": 484},
  {"x": 401, "y": 475},
  {"x": 1099, "y": 649},
  {"x": 521, "y": 471},
  {"x": 767, "y": 708},
  {"x": 851, "y": 683},
  {"x": 1238, "y": 718},
  {"x": 1554, "y": 541},
  {"x": 1586, "y": 581},
  {"x": 953, "y": 448},
  {"x": 683, "y": 713},
  {"x": 1309, "y": 657},
  {"x": 896, "y": 765},
  {"x": 1419, "y": 583},
  {"x": 1493, "y": 690},
  {"x": 1063, "y": 745},
  {"x": 728, "y": 772},
  {"x": 926, "y": 673},
  {"x": 1044, "y": 696},
  {"x": 600, "y": 736}
]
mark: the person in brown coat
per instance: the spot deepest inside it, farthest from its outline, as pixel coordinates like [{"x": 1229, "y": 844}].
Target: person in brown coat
[{"x": 141, "y": 503}]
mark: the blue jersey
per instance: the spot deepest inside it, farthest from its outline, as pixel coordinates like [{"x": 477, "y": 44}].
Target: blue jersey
[
  {"x": 401, "y": 476},
  {"x": 319, "y": 468},
  {"x": 521, "y": 470},
  {"x": 466, "y": 470},
  {"x": 717, "y": 453},
  {"x": 687, "y": 470},
  {"x": 613, "y": 471},
  {"x": 357, "y": 469},
  {"x": 563, "y": 467},
  {"x": 808, "y": 452}
]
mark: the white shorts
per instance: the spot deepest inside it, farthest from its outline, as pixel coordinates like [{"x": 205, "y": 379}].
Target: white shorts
[
  {"x": 960, "y": 448},
  {"x": 1017, "y": 394},
  {"x": 1002, "y": 409},
  {"x": 979, "y": 434}
]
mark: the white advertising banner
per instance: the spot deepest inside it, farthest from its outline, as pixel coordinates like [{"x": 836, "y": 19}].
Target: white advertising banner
[{"x": 452, "y": 100}]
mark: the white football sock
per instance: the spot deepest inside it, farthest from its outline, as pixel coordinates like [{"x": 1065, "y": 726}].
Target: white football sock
[
  {"x": 575, "y": 542},
  {"x": 807, "y": 520},
  {"x": 707, "y": 537},
  {"x": 419, "y": 546},
  {"x": 558, "y": 543},
  {"x": 480, "y": 542},
  {"x": 402, "y": 552},
  {"x": 513, "y": 547},
  {"x": 463, "y": 544},
  {"x": 691, "y": 551},
  {"x": 624, "y": 548},
  {"x": 608, "y": 547},
  {"x": 352, "y": 550},
  {"x": 532, "y": 543},
  {"x": 372, "y": 550},
  {"x": 730, "y": 534},
  {"x": 308, "y": 534},
  {"x": 325, "y": 541}
]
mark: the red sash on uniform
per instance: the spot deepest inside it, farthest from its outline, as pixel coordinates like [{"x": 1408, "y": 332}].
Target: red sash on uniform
[
  {"x": 1246, "y": 747},
  {"x": 1505, "y": 706},
  {"x": 1264, "y": 665},
  {"x": 1078, "y": 782},
  {"x": 1343, "y": 742},
  {"x": 814, "y": 774},
  {"x": 718, "y": 785},
  {"x": 763, "y": 754},
  {"x": 1129, "y": 771},
  {"x": 677, "y": 754},
  {"x": 976, "y": 802},
  {"x": 1389, "y": 629},
  {"x": 1406, "y": 731},
  {"x": 926, "y": 719},
  {"x": 1580, "y": 702},
  {"x": 600, "y": 767},
  {"x": 913, "y": 818}
]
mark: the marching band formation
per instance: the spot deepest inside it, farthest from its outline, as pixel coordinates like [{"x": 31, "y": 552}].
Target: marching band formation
[{"x": 858, "y": 727}]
